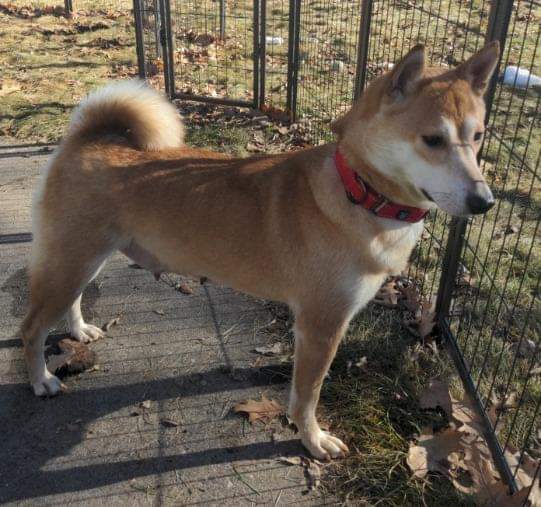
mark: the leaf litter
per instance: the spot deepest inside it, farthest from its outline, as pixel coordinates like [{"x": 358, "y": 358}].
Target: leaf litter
[
  {"x": 461, "y": 453},
  {"x": 402, "y": 293},
  {"x": 72, "y": 357},
  {"x": 264, "y": 410}
]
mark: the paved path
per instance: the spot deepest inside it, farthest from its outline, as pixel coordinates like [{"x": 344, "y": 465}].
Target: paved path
[{"x": 189, "y": 356}]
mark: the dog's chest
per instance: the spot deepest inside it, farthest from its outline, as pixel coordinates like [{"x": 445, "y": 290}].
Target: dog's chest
[{"x": 391, "y": 248}]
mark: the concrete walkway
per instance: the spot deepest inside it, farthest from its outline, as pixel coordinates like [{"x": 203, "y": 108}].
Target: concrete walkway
[{"x": 188, "y": 357}]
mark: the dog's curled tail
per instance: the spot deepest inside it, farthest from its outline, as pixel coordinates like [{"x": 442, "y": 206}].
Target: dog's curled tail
[{"x": 131, "y": 109}]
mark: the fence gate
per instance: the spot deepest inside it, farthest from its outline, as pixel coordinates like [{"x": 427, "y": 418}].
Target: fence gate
[{"x": 232, "y": 52}]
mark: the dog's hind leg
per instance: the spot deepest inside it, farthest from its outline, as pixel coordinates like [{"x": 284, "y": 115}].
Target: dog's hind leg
[
  {"x": 57, "y": 280},
  {"x": 79, "y": 329}
]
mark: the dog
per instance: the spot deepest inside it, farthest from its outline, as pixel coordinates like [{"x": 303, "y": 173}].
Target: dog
[{"x": 319, "y": 229}]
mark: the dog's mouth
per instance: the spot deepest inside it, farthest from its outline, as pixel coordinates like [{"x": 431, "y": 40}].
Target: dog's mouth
[{"x": 427, "y": 195}]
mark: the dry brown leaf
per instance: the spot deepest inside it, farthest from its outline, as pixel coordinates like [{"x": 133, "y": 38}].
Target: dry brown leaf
[
  {"x": 486, "y": 485},
  {"x": 387, "y": 295},
  {"x": 169, "y": 423},
  {"x": 274, "y": 350},
  {"x": 437, "y": 395},
  {"x": 427, "y": 318},
  {"x": 313, "y": 474},
  {"x": 184, "y": 288},
  {"x": 465, "y": 416},
  {"x": 58, "y": 361},
  {"x": 75, "y": 356},
  {"x": 113, "y": 322},
  {"x": 463, "y": 455},
  {"x": 411, "y": 299},
  {"x": 526, "y": 468},
  {"x": 265, "y": 410},
  {"x": 431, "y": 452},
  {"x": 294, "y": 460}
]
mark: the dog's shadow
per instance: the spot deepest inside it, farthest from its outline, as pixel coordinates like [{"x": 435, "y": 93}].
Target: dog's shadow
[{"x": 39, "y": 431}]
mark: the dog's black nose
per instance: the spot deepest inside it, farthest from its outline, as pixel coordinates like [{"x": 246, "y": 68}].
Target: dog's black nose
[{"x": 480, "y": 201}]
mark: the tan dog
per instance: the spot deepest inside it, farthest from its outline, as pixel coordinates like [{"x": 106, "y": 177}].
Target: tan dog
[{"x": 279, "y": 227}]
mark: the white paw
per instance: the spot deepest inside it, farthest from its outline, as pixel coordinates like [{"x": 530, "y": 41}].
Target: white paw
[
  {"x": 48, "y": 385},
  {"x": 323, "y": 446},
  {"x": 87, "y": 333}
]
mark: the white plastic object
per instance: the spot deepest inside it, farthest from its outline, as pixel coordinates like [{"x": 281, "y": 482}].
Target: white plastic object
[
  {"x": 274, "y": 40},
  {"x": 520, "y": 78}
]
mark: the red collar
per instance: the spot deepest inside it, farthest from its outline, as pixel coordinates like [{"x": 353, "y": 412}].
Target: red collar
[{"x": 361, "y": 193}]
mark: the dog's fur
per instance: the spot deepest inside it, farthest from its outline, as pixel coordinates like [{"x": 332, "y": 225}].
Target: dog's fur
[{"x": 278, "y": 227}]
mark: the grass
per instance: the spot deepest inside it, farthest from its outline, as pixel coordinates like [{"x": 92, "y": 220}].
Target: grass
[
  {"x": 46, "y": 74},
  {"x": 49, "y": 64}
]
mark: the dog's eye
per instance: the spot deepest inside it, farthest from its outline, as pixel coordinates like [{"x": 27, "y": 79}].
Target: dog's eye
[
  {"x": 434, "y": 141},
  {"x": 477, "y": 136}
]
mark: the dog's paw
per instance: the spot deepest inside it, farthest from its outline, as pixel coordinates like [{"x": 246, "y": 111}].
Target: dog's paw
[
  {"x": 324, "y": 446},
  {"x": 49, "y": 385},
  {"x": 87, "y": 333}
]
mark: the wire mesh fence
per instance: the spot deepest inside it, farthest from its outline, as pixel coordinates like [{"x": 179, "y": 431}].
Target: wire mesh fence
[
  {"x": 76, "y": 5},
  {"x": 309, "y": 60}
]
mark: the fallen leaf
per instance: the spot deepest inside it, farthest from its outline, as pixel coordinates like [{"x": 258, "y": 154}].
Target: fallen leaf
[
  {"x": 57, "y": 361},
  {"x": 437, "y": 395},
  {"x": 525, "y": 348},
  {"x": 184, "y": 288},
  {"x": 74, "y": 356},
  {"x": 512, "y": 229},
  {"x": 265, "y": 410},
  {"x": 159, "y": 312},
  {"x": 427, "y": 318},
  {"x": 294, "y": 460},
  {"x": 313, "y": 475},
  {"x": 411, "y": 298},
  {"x": 113, "y": 322},
  {"x": 387, "y": 295},
  {"x": 274, "y": 350},
  {"x": 431, "y": 452},
  {"x": 169, "y": 423}
]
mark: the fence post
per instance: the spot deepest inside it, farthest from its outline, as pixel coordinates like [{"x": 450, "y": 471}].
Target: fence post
[
  {"x": 166, "y": 42},
  {"x": 258, "y": 49},
  {"x": 362, "y": 48},
  {"x": 139, "y": 42},
  {"x": 262, "y": 52},
  {"x": 499, "y": 16},
  {"x": 222, "y": 19},
  {"x": 68, "y": 7},
  {"x": 498, "y": 25},
  {"x": 293, "y": 58}
]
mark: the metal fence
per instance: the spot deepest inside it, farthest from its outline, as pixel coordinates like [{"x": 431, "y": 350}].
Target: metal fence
[
  {"x": 71, "y": 6},
  {"x": 309, "y": 60}
]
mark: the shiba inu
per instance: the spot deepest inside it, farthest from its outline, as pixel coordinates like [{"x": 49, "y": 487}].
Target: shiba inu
[{"x": 319, "y": 229}]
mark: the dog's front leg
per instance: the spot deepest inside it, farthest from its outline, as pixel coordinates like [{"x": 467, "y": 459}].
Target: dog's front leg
[{"x": 316, "y": 339}]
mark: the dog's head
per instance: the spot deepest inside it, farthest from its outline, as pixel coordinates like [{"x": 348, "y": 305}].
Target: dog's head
[{"x": 421, "y": 129}]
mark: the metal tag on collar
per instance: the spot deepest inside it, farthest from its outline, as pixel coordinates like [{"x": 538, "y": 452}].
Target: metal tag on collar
[{"x": 379, "y": 205}]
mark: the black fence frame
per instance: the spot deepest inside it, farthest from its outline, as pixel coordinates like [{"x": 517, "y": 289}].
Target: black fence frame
[
  {"x": 500, "y": 12},
  {"x": 164, "y": 41}
]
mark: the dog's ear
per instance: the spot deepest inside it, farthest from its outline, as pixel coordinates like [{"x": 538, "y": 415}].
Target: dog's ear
[
  {"x": 407, "y": 72},
  {"x": 479, "y": 68}
]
